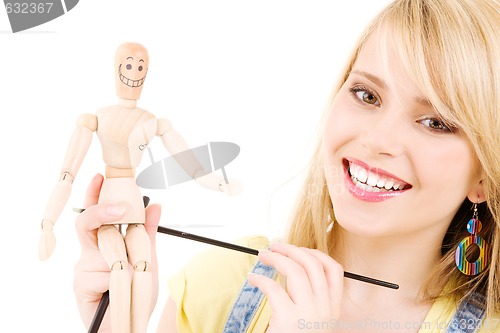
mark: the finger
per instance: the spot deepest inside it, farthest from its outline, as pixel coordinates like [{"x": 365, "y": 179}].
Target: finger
[
  {"x": 312, "y": 266},
  {"x": 88, "y": 288},
  {"x": 90, "y": 293},
  {"x": 334, "y": 273},
  {"x": 297, "y": 281},
  {"x": 91, "y": 219},
  {"x": 91, "y": 261},
  {"x": 153, "y": 213},
  {"x": 93, "y": 190},
  {"x": 277, "y": 297}
]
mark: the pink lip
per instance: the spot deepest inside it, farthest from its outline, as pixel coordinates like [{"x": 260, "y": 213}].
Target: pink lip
[{"x": 366, "y": 195}]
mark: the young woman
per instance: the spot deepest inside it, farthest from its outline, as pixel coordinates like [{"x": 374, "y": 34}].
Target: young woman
[{"x": 407, "y": 155}]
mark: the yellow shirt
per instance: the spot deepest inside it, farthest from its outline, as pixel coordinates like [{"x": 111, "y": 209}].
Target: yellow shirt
[{"x": 205, "y": 290}]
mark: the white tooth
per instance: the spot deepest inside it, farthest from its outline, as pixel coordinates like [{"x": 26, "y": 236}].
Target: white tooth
[
  {"x": 357, "y": 169},
  {"x": 397, "y": 186},
  {"x": 367, "y": 188},
  {"x": 355, "y": 173},
  {"x": 361, "y": 185},
  {"x": 381, "y": 182},
  {"x": 352, "y": 169},
  {"x": 362, "y": 175},
  {"x": 389, "y": 183},
  {"x": 372, "y": 179}
]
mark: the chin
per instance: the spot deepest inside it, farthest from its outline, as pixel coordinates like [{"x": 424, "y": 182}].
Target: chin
[{"x": 365, "y": 224}]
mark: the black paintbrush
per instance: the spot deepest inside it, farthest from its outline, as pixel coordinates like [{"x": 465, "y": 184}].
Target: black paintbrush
[
  {"x": 239, "y": 248},
  {"x": 103, "y": 304}
]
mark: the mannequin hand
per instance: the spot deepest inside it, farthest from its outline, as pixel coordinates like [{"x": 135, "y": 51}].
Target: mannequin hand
[
  {"x": 215, "y": 182},
  {"x": 47, "y": 241},
  {"x": 57, "y": 200},
  {"x": 314, "y": 283},
  {"x": 92, "y": 273},
  {"x": 233, "y": 187}
]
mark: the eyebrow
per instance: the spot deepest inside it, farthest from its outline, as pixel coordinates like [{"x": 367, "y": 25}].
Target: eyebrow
[
  {"x": 381, "y": 83},
  {"x": 141, "y": 60},
  {"x": 372, "y": 78},
  {"x": 130, "y": 58}
]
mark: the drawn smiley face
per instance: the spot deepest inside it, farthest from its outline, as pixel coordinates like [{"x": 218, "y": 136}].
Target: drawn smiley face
[
  {"x": 132, "y": 72},
  {"x": 132, "y": 62}
]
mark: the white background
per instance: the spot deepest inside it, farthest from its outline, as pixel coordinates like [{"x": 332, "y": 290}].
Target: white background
[{"x": 256, "y": 73}]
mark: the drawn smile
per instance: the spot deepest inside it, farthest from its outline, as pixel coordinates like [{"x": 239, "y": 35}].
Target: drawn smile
[{"x": 130, "y": 82}]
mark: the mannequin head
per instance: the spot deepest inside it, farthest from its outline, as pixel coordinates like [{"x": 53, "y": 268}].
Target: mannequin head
[{"x": 131, "y": 66}]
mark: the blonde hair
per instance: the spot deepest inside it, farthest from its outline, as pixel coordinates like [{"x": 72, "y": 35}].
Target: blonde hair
[{"x": 451, "y": 48}]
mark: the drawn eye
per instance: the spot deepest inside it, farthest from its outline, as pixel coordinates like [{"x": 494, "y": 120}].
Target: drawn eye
[
  {"x": 129, "y": 66},
  {"x": 140, "y": 68}
]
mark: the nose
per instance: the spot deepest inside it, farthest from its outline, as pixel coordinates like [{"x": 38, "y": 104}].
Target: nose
[{"x": 385, "y": 135}]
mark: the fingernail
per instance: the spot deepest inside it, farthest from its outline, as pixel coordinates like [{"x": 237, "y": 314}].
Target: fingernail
[
  {"x": 115, "y": 210},
  {"x": 249, "y": 279},
  {"x": 275, "y": 245},
  {"x": 264, "y": 251}
]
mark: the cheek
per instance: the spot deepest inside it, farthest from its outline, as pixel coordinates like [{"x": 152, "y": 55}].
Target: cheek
[
  {"x": 340, "y": 126},
  {"x": 339, "y": 135},
  {"x": 449, "y": 170}
]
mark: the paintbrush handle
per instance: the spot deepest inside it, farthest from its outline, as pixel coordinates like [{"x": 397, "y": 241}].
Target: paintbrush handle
[
  {"x": 206, "y": 240},
  {"x": 101, "y": 309},
  {"x": 99, "y": 314},
  {"x": 239, "y": 248}
]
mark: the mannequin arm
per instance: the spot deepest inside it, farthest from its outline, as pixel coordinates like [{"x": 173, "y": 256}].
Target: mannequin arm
[
  {"x": 171, "y": 139},
  {"x": 175, "y": 143},
  {"x": 77, "y": 149}
]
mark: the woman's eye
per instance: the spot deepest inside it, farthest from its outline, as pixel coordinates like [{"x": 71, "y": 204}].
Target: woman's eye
[
  {"x": 365, "y": 96},
  {"x": 435, "y": 124}
]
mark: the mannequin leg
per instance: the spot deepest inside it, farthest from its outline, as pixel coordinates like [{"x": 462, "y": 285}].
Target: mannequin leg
[
  {"x": 112, "y": 247},
  {"x": 139, "y": 254}
]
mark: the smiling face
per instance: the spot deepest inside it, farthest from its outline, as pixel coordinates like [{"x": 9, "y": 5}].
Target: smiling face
[
  {"x": 393, "y": 166},
  {"x": 131, "y": 65}
]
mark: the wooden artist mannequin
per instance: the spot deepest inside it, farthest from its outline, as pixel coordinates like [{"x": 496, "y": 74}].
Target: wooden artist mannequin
[{"x": 124, "y": 131}]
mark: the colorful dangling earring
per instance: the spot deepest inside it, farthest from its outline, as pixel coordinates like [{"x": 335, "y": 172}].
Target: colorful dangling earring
[{"x": 473, "y": 227}]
